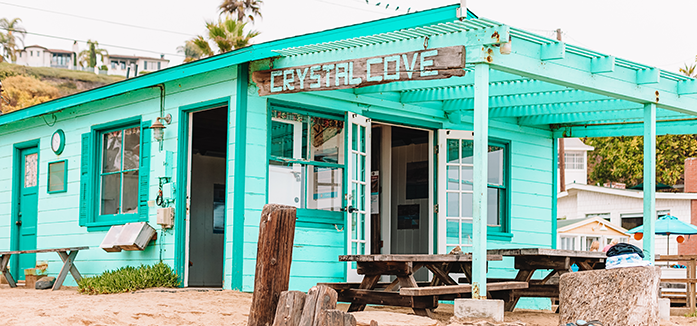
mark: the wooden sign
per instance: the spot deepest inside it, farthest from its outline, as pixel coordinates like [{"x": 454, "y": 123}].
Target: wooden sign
[{"x": 427, "y": 64}]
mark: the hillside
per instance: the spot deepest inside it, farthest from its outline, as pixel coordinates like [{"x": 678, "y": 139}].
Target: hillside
[{"x": 26, "y": 86}]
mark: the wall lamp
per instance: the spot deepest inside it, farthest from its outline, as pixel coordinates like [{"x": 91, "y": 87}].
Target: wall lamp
[{"x": 158, "y": 129}]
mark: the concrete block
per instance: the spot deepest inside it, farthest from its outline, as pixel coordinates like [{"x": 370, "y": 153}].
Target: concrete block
[
  {"x": 615, "y": 297},
  {"x": 663, "y": 309},
  {"x": 480, "y": 309}
]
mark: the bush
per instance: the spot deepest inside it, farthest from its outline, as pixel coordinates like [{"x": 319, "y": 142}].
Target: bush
[
  {"x": 22, "y": 91},
  {"x": 129, "y": 278}
]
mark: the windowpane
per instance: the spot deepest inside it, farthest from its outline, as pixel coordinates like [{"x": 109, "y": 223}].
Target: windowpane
[
  {"x": 56, "y": 176},
  {"x": 453, "y": 178},
  {"x": 453, "y": 151},
  {"x": 286, "y": 184},
  {"x": 468, "y": 173},
  {"x": 495, "y": 168},
  {"x": 467, "y": 151},
  {"x": 111, "y": 155},
  {"x": 466, "y": 226},
  {"x": 282, "y": 140},
  {"x": 130, "y": 192},
  {"x": 131, "y": 152},
  {"x": 111, "y": 192},
  {"x": 493, "y": 206},
  {"x": 30, "y": 170},
  {"x": 452, "y": 231},
  {"x": 325, "y": 186},
  {"x": 327, "y": 140},
  {"x": 467, "y": 204},
  {"x": 453, "y": 209}
]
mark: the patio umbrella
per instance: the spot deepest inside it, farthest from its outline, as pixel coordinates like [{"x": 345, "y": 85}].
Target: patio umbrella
[
  {"x": 667, "y": 225},
  {"x": 659, "y": 186}
]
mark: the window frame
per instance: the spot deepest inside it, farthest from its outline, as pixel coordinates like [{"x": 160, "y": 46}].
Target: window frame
[
  {"x": 503, "y": 229},
  {"x": 65, "y": 177},
  {"x": 90, "y": 179},
  {"x": 309, "y": 217}
]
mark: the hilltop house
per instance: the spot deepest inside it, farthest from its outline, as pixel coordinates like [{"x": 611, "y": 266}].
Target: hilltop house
[
  {"x": 120, "y": 64},
  {"x": 39, "y": 56},
  {"x": 410, "y": 134}
]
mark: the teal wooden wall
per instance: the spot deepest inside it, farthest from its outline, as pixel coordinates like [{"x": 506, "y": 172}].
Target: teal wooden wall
[{"x": 58, "y": 213}]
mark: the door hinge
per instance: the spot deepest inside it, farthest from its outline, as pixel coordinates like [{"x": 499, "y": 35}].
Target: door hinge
[
  {"x": 435, "y": 149},
  {"x": 435, "y": 208}
]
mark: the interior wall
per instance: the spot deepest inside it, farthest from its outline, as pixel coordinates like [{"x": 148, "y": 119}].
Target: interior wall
[
  {"x": 408, "y": 241},
  {"x": 205, "y": 246}
]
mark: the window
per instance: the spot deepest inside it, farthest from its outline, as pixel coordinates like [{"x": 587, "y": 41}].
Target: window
[
  {"x": 568, "y": 243},
  {"x": 159, "y": 65},
  {"x": 632, "y": 220},
  {"x": 306, "y": 163},
  {"x": 114, "y": 173},
  {"x": 57, "y": 176},
  {"x": 31, "y": 53},
  {"x": 605, "y": 216},
  {"x": 574, "y": 161},
  {"x": 114, "y": 64},
  {"x": 145, "y": 65},
  {"x": 459, "y": 190},
  {"x": 123, "y": 65}
]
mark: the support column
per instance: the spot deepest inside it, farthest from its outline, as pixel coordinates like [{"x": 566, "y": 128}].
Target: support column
[
  {"x": 649, "y": 181},
  {"x": 481, "y": 149},
  {"x": 555, "y": 190}
]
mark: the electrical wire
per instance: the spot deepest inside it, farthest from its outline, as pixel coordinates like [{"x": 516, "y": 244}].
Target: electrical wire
[
  {"x": 104, "y": 44},
  {"x": 97, "y": 20}
]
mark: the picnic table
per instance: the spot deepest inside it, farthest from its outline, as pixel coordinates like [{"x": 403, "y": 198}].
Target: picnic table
[
  {"x": 422, "y": 297},
  {"x": 527, "y": 261},
  {"x": 66, "y": 254}
]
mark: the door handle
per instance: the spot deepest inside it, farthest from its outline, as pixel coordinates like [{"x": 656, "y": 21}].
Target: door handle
[
  {"x": 18, "y": 223},
  {"x": 349, "y": 209}
]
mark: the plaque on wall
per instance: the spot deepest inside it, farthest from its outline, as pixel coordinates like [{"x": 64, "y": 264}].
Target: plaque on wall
[{"x": 408, "y": 216}]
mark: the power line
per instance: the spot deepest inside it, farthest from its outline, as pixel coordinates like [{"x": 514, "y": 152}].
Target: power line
[
  {"x": 98, "y": 20},
  {"x": 355, "y": 8},
  {"x": 104, "y": 44}
]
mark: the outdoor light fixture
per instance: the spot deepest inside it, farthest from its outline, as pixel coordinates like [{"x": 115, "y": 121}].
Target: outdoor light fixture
[
  {"x": 158, "y": 129},
  {"x": 603, "y": 227}
]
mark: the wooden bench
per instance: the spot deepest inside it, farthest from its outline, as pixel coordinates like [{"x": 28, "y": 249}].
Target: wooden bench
[
  {"x": 66, "y": 254},
  {"x": 458, "y": 289}
]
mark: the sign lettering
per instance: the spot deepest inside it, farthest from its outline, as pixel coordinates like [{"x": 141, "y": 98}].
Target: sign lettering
[{"x": 437, "y": 63}]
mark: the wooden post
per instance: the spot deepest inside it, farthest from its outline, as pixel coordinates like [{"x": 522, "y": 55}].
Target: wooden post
[
  {"x": 274, "y": 255},
  {"x": 333, "y": 317},
  {"x": 319, "y": 298},
  {"x": 649, "y": 182},
  {"x": 289, "y": 309},
  {"x": 691, "y": 274},
  {"x": 479, "y": 207}
]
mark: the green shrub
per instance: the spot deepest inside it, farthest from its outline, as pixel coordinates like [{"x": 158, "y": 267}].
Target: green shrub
[{"x": 129, "y": 278}]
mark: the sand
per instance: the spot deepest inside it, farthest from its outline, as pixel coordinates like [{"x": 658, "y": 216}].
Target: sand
[{"x": 180, "y": 307}]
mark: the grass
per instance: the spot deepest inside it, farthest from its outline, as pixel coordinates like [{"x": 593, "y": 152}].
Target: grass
[
  {"x": 9, "y": 70},
  {"x": 129, "y": 278}
]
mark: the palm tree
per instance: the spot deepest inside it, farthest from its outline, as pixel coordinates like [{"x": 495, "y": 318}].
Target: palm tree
[
  {"x": 690, "y": 70},
  {"x": 191, "y": 51},
  {"x": 9, "y": 41},
  {"x": 88, "y": 57},
  {"x": 243, "y": 9},
  {"x": 225, "y": 35}
]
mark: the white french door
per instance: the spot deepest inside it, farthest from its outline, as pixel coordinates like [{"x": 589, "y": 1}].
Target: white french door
[
  {"x": 455, "y": 189},
  {"x": 358, "y": 190}
]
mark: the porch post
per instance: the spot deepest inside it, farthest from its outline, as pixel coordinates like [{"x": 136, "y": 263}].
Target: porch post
[
  {"x": 481, "y": 146},
  {"x": 649, "y": 181}
]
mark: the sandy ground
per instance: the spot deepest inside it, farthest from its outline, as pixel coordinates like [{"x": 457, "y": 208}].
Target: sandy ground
[{"x": 181, "y": 307}]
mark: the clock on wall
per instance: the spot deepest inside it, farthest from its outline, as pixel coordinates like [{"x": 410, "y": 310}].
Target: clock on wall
[{"x": 58, "y": 141}]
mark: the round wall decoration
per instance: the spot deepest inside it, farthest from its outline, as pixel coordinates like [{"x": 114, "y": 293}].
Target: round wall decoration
[{"x": 58, "y": 141}]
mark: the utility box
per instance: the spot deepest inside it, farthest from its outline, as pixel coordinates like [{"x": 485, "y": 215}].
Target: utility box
[
  {"x": 135, "y": 236},
  {"x": 165, "y": 217},
  {"x": 109, "y": 242}
]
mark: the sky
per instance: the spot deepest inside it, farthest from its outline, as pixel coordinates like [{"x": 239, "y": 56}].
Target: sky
[{"x": 655, "y": 33}]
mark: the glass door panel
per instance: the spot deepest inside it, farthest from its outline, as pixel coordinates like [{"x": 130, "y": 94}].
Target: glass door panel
[{"x": 358, "y": 199}]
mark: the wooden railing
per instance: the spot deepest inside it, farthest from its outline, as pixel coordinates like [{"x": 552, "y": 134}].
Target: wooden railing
[{"x": 690, "y": 281}]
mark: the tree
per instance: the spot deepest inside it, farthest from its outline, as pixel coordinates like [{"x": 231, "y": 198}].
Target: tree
[
  {"x": 243, "y": 9},
  {"x": 690, "y": 70},
  {"x": 13, "y": 36},
  {"x": 621, "y": 159},
  {"x": 223, "y": 36},
  {"x": 88, "y": 57}
]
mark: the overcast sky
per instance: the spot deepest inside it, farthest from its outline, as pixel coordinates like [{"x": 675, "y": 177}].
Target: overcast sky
[{"x": 657, "y": 33}]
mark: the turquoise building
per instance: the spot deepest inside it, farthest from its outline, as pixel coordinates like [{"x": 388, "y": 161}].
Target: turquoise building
[{"x": 411, "y": 134}]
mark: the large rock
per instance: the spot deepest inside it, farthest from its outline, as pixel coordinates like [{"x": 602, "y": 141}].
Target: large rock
[
  {"x": 45, "y": 283},
  {"x": 383, "y": 318},
  {"x": 615, "y": 297}
]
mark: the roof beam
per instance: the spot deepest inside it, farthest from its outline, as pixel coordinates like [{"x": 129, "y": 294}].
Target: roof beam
[
  {"x": 619, "y": 82},
  {"x": 379, "y": 102},
  {"x": 514, "y": 87},
  {"x": 589, "y": 117},
  {"x": 568, "y": 96},
  {"x": 573, "y": 107},
  {"x": 468, "y": 79},
  {"x": 634, "y": 128}
]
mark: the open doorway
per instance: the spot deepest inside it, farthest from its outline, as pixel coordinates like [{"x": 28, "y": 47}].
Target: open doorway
[
  {"x": 206, "y": 195},
  {"x": 402, "y": 196}
]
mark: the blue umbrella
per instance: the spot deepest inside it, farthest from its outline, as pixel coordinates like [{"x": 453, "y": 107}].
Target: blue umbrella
[{"x": 667, "y": 225}]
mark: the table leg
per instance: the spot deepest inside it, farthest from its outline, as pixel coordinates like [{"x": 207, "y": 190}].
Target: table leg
[
  {"x": 4, "y": 260},
  {"x": 441, "y": 273},
  {"x": 408, "y": 281},
  {"x": 523, "y": 276},
  {"x": 368, "y": 283},
  {"x": 68, "y": 260}
]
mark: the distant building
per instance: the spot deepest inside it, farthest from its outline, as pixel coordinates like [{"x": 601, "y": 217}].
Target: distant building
[
  {"x": 579, "y": 234},
  {"x": 119, "y": 64},
  {"x": 575, "y": 161},
  {"x": 39, "y": 56}
]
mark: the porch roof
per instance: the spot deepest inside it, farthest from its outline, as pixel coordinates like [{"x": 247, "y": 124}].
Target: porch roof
[{"x": 543, "y": 83}]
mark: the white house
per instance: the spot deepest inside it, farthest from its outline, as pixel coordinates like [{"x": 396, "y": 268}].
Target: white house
[
  {"x": 575, "y": 161},
  {"x": 622, "y": 207},
  {"x": 579, "y": 234},
  {"x": 119, "y": 64},
  {"x": 39, "y": 56}
]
